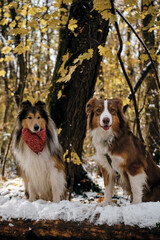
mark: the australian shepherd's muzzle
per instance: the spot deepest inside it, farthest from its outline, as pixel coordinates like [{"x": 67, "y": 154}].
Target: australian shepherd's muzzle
[
  {"x": 119, "y": 151},
  {"x": 39, "y": 154}
]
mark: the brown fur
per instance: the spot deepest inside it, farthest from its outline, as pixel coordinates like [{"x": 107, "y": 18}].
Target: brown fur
[
  {"x": 33, "y": 119},
  {"x": 39, "y": 171},
  {"x": 127, "y": 146}
]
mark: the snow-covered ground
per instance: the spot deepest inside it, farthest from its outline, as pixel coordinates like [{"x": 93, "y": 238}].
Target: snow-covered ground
[{"x": 13, "y": 204}]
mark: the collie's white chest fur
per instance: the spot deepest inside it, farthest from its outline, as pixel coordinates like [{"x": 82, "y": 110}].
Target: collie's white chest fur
[{"x": 43, "y": 178}]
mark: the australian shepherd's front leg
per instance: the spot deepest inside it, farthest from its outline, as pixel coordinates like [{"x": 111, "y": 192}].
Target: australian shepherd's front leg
[
  {"x": 108, "y": 177},
  {"x": 109, "y": 180}
]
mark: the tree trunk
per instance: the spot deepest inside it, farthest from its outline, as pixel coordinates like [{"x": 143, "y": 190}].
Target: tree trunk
[
  {"x": 68, "y": 112},
  {"x": 62, "y": 230},
  {"x": 152, "y": 108}
]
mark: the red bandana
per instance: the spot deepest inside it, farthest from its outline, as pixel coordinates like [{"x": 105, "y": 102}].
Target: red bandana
[{"x": 35, "y": 141}]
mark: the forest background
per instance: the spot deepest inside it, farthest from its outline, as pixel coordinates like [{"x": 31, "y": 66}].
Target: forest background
[{"x": 63, "y": 52}]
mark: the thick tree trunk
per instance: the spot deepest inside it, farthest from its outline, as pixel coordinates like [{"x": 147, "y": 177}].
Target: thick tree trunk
[
  {"x": 59, "y": 229},
  {"x": 68, "y": 112},
  {"x": 152, "y": 109}
]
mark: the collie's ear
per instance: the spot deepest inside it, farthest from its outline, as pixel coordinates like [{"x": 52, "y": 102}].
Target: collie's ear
[
  {"x": 25, "y": 104},
  {"x": 40, "y": 104},
  {"x": 90, "y": 106}
]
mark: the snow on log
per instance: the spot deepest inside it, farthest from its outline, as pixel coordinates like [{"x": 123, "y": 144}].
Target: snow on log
[{"x": 60, "y": 229}]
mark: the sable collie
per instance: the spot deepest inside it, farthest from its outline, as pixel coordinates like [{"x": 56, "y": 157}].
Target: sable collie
[
  {"x": 119, "y": 151},
  {"x": 39, "y": 153}
]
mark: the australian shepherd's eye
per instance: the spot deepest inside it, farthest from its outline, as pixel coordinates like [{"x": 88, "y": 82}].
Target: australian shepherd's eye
[
  {"x": 113, "y": 111},
  {"x": 38, "y": 117},
  {"x": 98, "y": 111},
  {"x": 29, "y": 117}
]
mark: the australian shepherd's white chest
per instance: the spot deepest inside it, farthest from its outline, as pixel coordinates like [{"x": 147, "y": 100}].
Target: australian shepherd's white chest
[
  {"x": 39, "y": 153},
  {"x": 118, "y": 150}
]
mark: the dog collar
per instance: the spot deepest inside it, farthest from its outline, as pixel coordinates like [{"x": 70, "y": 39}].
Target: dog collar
[{"x": 35, "y": 141}]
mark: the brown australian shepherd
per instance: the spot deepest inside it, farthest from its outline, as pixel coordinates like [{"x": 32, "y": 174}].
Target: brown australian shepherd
[
  {"x": 118, "y": 150},
  {"x": 39, "y": 153}
]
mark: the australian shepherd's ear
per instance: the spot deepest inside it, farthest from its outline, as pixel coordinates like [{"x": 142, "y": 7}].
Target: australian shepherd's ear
[
  {"x": 41, "y": 105},
  {"x": 122, "y": 118},
  {"x": 89, "y": 110},
  {"x": 90, "y": 106}
]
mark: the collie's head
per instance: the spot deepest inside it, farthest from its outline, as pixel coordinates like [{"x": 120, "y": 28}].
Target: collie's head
[
  {"x": 106, "y": 114},
  {"x": 33, "y": 117}
]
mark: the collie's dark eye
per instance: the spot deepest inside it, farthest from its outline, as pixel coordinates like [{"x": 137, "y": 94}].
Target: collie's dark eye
[
  {"x": 38, "y": 117},
  {"x": 29, "y": 117}
]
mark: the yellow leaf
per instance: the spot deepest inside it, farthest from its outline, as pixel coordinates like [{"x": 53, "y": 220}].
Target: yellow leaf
[
  {"x": 32, "y": 11},
  {"x": 106, "y": 15},
  {"x": 9, "y": 42},
  {"x": 21, "y": 48},
  {"x": 12, "y": 5},
  {"x": 6, "y": 50},
  {"x": 113, "y": 19},
  {"x": 65, "y": 154},
  {"x": 4, "y": 21},
  {"x": 103, "y": 51},
  {"x": 86, "y": 56},
  {"x": 44, "y": 29},
  {"x": 128, "y": 9},
  {"x": 43, "y": 22},
  {"x": 1, "y": 60},
  {"x": 44, "y": 45},
  {"x": 144, "y": 57},
  {"x": 8, "y": 59},
  {"x": 23, "y": 12},
  {"x": 7, "y": 15},
  {"x": 2, "y": 72},
  {"x": 158, "y": 58},
  {"x": 59, "y": 95},
  {"x": 42, "y": 9},
  {"x": 75, "y": 158},
  {"x": 67, "y": 2},
  {"x": 72, "y": 24},
  {"x": 12, "y": 24},
  {"x": 59, "y": 130}
]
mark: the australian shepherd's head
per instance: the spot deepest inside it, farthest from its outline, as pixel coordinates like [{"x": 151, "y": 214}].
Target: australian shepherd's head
[
  {"x": 106, "y": 115},
  {"x": 33, "y": 117}
]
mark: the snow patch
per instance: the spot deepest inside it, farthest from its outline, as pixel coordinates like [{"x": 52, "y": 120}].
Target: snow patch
[
  {"x": 143, "y": 215},
  {"x": 14, "y": 205}
]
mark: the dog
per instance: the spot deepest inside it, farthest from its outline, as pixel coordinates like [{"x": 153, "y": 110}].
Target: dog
[
  {"x": 39, "y": 154},
  {"x": 119, "y": 151}
]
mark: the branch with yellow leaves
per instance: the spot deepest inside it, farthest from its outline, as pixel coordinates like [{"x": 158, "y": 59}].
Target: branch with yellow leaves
[
  {"x": 143, "y": 44},
  {"x": 125, "y": 73}
]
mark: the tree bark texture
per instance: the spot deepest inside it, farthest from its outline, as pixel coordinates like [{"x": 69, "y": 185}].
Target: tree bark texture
[
  {"x": 152, "y": 109},
  {"x": 68, "y": 112},
  {"x": 59, "y": 229}
]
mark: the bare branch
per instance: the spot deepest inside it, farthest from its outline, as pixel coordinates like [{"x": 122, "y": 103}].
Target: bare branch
[
  {"x": 126, "y": 76},
  {"x": 144, "y": 45}
]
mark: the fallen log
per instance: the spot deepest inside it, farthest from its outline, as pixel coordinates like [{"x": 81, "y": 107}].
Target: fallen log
[{"x": 59, "y": 229}]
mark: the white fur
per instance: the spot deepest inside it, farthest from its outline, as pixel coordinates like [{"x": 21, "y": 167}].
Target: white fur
[
  {"x": 99, "y": 136},
  {"x": 44, "y": 179},
  {"x": 105, "y": 114},
  {"x": 137, "y": 184}
]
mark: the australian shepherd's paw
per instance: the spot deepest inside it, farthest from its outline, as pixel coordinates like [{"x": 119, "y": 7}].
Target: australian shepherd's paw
[{"x": 119, "y": 151}]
